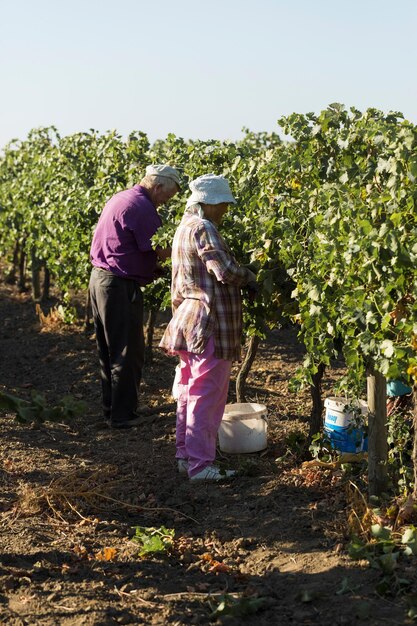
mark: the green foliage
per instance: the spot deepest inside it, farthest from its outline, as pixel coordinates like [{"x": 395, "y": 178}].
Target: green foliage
[
  {"x": 321, "y": 448},
  {"x": 68, "y": 314},
  {"x": 383, "y": 553},
  {"x": 153, "y": 540},
  {"x": 236, "y": 607},
  {"x": 411, "y": 600},
  {"x": 400, "y": 449},
  {"x": 409, "y": 540},
  {"x": 295, "y": 443},
  {"x": 329, "y": 219},
  {"x": 350, "y": 210},
  {"x": 52, "y": 190},
  {"x": 37, "y": 409}
]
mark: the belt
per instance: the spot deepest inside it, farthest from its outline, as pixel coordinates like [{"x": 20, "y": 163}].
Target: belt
[{"x": 108, "y": 273}]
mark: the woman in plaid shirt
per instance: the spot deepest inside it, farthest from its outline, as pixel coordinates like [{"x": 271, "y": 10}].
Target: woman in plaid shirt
[{"x": 206, "y": 326}]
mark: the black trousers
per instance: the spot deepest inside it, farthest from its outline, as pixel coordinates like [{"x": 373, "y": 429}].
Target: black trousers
[{"x": 117, "y": 305}]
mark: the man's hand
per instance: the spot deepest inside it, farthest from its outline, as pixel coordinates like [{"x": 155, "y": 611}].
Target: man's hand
[{"x": 160, "y": 270}]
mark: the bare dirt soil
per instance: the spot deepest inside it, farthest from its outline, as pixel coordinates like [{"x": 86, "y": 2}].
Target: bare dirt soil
[{"x": 271, "y": 542}]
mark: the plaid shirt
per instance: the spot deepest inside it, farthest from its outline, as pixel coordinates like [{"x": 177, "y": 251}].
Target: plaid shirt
[{"x": 205, "y": 291}]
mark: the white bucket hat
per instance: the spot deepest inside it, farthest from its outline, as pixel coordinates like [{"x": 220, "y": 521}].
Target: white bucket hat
[
  {"x": 166, "y": 171},
  {"x": 210, "y": 189}
]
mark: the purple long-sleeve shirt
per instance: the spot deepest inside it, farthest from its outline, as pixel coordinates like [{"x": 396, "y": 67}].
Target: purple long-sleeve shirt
[{"x": 122, "y": 238}]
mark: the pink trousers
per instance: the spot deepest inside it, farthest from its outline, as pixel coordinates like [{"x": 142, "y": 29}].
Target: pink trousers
[{"x": 202, "y": 395}]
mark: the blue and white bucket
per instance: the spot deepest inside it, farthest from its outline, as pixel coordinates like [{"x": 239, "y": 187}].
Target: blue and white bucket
[{"x": 339, "y": 425}]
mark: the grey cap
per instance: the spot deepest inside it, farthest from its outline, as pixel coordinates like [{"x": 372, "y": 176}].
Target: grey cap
[{"x": 164, "y": 170}]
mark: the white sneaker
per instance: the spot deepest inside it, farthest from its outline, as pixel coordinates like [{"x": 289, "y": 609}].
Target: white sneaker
[
  {"x": 212, "y": 473},
  {"x": 182, "y": 466}
]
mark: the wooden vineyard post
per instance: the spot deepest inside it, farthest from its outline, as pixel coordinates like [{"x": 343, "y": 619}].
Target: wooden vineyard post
[
  {"x": 377, "y": 434},
  {"x": 11, "y": 276},
  {"x": 415, "y": 440},
  {"x": 22, "y": 270},
  {"x": 254, "y": 342},
  {"x": 46, "y": 283},
  {"x": 149, "y": 332},
  {"x": 316, "y": 417},
  {"x": 36, "y": 280}
]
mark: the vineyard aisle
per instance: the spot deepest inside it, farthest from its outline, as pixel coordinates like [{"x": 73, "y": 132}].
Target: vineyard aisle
[{"x": 273, "y": 540}]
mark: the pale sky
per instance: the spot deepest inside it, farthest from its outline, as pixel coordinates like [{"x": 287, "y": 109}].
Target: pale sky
[{"x": 200, "y": 69}]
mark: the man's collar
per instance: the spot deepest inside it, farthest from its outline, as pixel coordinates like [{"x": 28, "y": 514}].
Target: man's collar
[{"x": 145, "y": 192}]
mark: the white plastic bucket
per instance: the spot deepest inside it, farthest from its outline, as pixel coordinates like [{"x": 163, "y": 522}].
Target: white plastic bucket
[
  {"x": 243, "y": 428},
  {"x": 339, "y": 428}
]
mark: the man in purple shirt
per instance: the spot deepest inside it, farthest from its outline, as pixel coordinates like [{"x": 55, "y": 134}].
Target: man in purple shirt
[{"x": 124, "y": 261}]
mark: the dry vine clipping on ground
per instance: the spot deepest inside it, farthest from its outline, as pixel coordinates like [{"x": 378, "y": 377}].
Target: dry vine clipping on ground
[{"x": 266, "y": 548}]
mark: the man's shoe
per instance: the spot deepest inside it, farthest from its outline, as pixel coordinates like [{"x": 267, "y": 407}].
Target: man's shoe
[
  {"x": 136, "y": 420},
  {"x": 212, "y": 473},
  {"x": 182, "y": 466}
]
